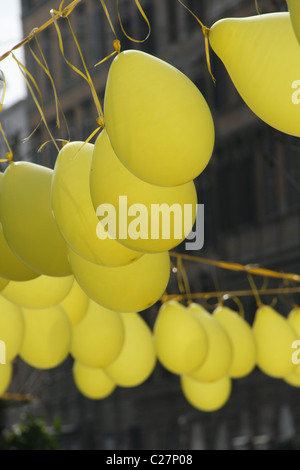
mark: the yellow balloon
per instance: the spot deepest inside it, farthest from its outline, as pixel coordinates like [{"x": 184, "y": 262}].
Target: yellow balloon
[
  {"x": 242, "y": 340},
  {"x": 98, "y": 338},
  {"x": 274, "y": 339},
  {"x": 6, "y": 374},
  {"x": 294, "y": 9},
  {"x": 180, "y": 340},
  {"x": 47, "y": 338},
  {"x": 141, "y": 216},
  {"x": 293, "y": 379},
  {"x": 3, "y": 283},
  {"x": 27, "y": 219},
  {"x": 75, "y": 304},
  {"x": 265, "y": 48},
  {"x": 157, "y": 120},
  {"x": 137, "y": 359},
  {"x": 42, "y": 292},
  {"x": 130, "y": 288},
  {"x": 12, "y": 329},
  {"x": 74, "y": 212},
  {"x": 293, "y": 319},
  {"x": 220, "y": 350},
  {"x": 206, "y": 396},
  {"x": 11, "y": 267},
  {"x": 92, "y": 383}
]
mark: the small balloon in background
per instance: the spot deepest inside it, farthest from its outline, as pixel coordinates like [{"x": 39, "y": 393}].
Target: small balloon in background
[
  {"x": 92, "y": 383},
  {"x": 219, "y": 355},
  {"x": 274, "y": 338},
  {"x": 12, "y": 328},
  {"x": 98, "y": 338},
  {"x": 47, "y": 337},
  {"x": 206, "y": 396},
  {"x": 180, "y": 340},
  {"x": 242, "y": 340},
  {"x": 137, "y": 358},
  {"x": 42, "y": 292}
]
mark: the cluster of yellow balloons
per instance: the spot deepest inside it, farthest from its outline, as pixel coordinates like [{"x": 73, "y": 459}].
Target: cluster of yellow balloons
[
  {"x": 260, "y": 54},
  {"x": 72, "y": 283},
  {"x": 206, "y": 350},
  {"x": 210, "y": 350}
]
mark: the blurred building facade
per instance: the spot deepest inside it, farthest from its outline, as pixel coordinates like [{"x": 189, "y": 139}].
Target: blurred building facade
[{"x": 250, "y": 190}]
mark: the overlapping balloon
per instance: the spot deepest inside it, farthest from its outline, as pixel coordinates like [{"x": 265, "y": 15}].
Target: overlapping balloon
[{"x": 259, "y": 54}]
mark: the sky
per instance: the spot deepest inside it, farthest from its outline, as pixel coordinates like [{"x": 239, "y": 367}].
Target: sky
[{"x": 10, "y": 34}]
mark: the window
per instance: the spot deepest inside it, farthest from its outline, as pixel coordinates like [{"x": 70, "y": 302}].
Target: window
[
  {"x": 171, "y": 12},
  {"x": 292, "y": 172}
]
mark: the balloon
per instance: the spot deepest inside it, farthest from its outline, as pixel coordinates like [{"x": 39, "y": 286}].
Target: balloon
[
  {"x": 27, "y": 220},
  {"x": 293, "y": 319},
  {"x": 242, "y": 340},
  {"x": 274, "y": 339},
  {"x": 293, "y": 379},
  {"x": 75, "y": 304},
  {"x": 92, "y": 383},
  {"x": 47, "y": 338},
  {"x": 129, "y": 288},
  {"x": 98, "y": 338},
  {"x": 219, "y": 356},
  {"x": 3, "y": 283},
  {"x": 11, "y": 267},
  {"x": 141, "y": 216},
  {"x": 265, "y": 48},
  {"x": 6, "y": 373},
  {"x": 295, "y": 16},
  {"x": 137, "y": 358},
  {"x": 74, "y": 211},
  {"x": 206, "y": 396},
  {"x": 42, "y": 292},
  {"x": 157, "y": 120},
  {"x": 180, "y": 340},
  {"x": 12, "y": 329}
]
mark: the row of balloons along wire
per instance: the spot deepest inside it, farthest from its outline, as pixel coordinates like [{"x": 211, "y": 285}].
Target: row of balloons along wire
[{"x": 206, "y": 351}]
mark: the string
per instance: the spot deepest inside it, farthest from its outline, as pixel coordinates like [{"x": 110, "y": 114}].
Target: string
[
  {"x": 255, "y": 291},
  {"x": 239, "y": 267},
  {"x": 9, "y": 154},
  {"x": 231, "y": 294},
  {"x": 144, "y": 17},
  {"x": 65, "y": 12},
  {"x": 257, "y": 7},
  {"x": 205, "y": 32},
  {"x": 3, "y": 80},
  {"x": 26, "y": 73}
]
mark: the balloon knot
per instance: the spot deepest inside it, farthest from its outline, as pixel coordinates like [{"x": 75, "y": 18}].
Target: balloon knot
[
  {"x": 101, "y": 123},
  {"x": 117, "y": 46}
]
